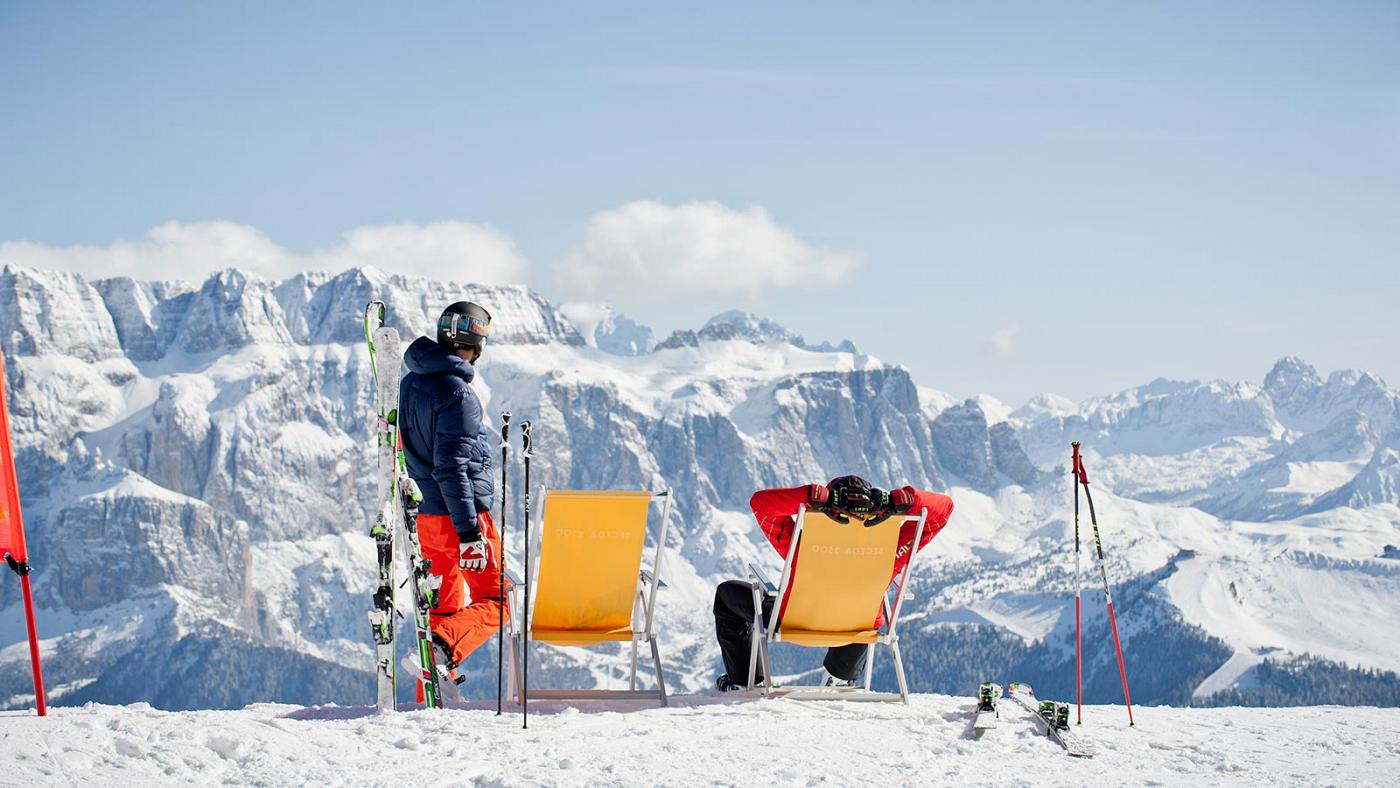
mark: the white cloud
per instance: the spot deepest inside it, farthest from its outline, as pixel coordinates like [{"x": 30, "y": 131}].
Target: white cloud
[
  {"x": 1003, "y": 341},
  {"x": 192, "y": 250},
  {"x": 655, "y": 251},
  {"x": 458, "y": 251}
]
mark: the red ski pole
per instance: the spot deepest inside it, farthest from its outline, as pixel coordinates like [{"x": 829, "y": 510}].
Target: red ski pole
[{"x": 1107, "y": 595}]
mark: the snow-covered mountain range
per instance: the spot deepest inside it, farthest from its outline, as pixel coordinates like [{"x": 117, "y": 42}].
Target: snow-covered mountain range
[{"x": 196, "y": 474}]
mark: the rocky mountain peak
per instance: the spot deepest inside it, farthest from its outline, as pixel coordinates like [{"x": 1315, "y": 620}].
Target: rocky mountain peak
[
  {"x": 1290, "y": 378},
  {"x": 737, "y": 324}
]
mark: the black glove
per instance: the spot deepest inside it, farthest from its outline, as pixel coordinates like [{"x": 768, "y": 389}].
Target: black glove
[
  {"x": 879, "y": 507},
  {"x": 850, "y": 495},
  {"x": 883, "y": 504},
  {"x": 819, "y": 500}
]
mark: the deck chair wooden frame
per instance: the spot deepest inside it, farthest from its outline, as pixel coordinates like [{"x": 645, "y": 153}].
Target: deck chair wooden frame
[
  {"x": 764, "y": 634},
  {"x": 640, "y": 619}
]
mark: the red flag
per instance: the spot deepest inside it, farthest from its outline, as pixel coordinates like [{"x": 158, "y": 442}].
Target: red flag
[
  {"x": 12, "y": 547},
  {"x": 11, "y": 523}
]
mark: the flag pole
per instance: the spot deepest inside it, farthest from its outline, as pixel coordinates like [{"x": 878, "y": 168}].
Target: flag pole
[{"x": 16, "y": 554}]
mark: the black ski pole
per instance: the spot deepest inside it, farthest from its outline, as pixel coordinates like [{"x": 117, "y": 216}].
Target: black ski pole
[
  {"x": 501, "y": 563},
  {"x": 526, "y": 451}
]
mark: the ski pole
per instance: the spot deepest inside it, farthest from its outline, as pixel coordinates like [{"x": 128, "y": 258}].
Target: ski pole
[
  {"x": 1083, "y": 479},
  {"x": 501, "y": 563},
  {"x": 526, "y": 452},
  {"x": 1078, "y": 588}
]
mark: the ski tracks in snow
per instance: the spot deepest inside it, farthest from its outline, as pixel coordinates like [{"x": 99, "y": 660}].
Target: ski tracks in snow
[{"x": 699, "y": 740}]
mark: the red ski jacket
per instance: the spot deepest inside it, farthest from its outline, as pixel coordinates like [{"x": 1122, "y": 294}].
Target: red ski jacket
[{"x": 776, "y": 512}]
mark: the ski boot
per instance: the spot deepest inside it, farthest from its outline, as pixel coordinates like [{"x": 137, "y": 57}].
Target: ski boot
[
  {"x": 442, "y": 665},
  {"x": 834, "y": 682},
  {"x": 985, "y": 700},
  {"x": 725, "y": 684},
  {"x": 1047, "y": 712}
]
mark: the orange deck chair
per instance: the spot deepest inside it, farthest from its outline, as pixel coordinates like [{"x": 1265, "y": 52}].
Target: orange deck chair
[
  {"x": 843, "y": 580},
  {"x": 590, "y": 586}
]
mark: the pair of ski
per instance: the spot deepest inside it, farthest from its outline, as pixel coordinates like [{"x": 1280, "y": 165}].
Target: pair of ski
[
  {"x": 1052, "y": 716},
  {"x": 397, "y": 516}
]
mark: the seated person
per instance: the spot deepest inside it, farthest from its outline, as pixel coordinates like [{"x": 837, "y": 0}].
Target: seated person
[{"x": 843, "y": 498}]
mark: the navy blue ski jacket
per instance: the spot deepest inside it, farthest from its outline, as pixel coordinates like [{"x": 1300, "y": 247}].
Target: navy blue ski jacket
[{"x": 444, "y": 438}]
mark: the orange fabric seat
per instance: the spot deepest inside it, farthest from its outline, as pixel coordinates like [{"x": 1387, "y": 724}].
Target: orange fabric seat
[{"x": 590, "y": 587}]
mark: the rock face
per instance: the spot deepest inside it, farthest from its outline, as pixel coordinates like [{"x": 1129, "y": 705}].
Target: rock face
[
  {"x": 964, "y": 444},
  {"x": 1010, "y": 458}
]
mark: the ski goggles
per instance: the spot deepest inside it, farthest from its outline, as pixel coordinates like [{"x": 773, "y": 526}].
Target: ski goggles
[{"x": 465, "y": 328}]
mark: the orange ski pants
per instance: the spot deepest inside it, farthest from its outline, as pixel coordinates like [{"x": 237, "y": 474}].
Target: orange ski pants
[{"x": 469, "y": 607}]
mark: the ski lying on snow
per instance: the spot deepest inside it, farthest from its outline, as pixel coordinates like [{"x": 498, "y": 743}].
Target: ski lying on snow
[
  {"x": 987, "y": 715},
  {"x": 1054, "y": 717}
]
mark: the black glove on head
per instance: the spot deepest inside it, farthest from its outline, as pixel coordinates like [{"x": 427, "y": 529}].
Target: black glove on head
[
  {"x": 884, "y": 504},
  {"x": 850, "y": 495}
]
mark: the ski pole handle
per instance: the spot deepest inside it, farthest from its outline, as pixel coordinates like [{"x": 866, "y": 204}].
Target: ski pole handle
[
  {"x": 1078, "y": 468},
  {"x": 527, "y": 443},
  {"x": 505, "y": 429}
]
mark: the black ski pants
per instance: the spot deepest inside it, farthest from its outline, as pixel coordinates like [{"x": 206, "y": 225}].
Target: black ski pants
[{"x": 734, "y": 630}]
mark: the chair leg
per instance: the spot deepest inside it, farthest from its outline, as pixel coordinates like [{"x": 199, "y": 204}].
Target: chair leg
[
  {"x": 638, "y": 604},
  {"x": 656, "y": 660},
  {"x": 899, "y": 672},
  {"x": 767, "y": 667},
  {"x": 632, "y": 685},
  {"x": 515, "y": 667},
  {"x": 869, "y": 665},
  {"x": 755, "y": 634}
]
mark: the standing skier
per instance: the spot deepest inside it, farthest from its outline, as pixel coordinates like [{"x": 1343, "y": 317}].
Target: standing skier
[
  {"x": 448, "y": 455},
  {"x": 843, "y": 498}
]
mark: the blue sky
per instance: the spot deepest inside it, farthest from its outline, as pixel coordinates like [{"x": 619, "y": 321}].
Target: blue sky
[{"x": 1041, "y": 197}]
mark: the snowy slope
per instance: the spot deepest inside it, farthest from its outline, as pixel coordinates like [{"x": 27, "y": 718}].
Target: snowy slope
[
  {"x": 700, "y": 739},
  {"x": 196, "y": 475}
]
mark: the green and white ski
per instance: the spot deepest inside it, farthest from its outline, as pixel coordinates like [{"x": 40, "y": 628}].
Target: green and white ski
[
  {"x": 382, "y": 615},
  {"x": 396, "y": 518},
  {"x": 1054, "y": 717}
]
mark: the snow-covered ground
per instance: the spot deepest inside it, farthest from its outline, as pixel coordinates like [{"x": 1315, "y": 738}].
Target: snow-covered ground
[{"x": 699, "y": 740}]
